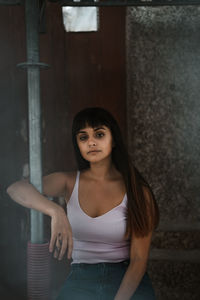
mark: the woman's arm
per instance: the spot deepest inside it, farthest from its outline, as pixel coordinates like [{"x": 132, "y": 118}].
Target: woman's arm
[
  {"x": 27, "y": 195},
  {"x": 138, "y": 260},
  {"x": 139, "y": 252}
]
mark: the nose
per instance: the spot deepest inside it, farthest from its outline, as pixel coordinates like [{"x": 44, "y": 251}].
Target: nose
[{"x": 91, "y": 142}]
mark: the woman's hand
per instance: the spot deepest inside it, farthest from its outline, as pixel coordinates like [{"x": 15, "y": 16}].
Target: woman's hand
[
  {"x": 61, "y": 235},
  {"x": 27, "y": 195}
]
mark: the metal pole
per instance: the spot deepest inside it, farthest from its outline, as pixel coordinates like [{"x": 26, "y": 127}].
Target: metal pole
[
  {"x": 38, "y": 257},
  {"x": 35, "y": 145}
]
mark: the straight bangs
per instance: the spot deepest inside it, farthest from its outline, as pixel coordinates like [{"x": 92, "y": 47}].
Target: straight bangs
[{"x": 89, "y": 118}]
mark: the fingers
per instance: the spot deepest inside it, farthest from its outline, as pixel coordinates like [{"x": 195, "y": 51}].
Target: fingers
[
  {"x": 70, "y": 247},
  {"x": 66, "y": 243},
  {"x": 58, "y": 246},
  {"x": 61, "y": 244},
  {"x": 61, "y": 237},
  {"x": 52, "y": 243},
  {"x": 63, "y": 249}
]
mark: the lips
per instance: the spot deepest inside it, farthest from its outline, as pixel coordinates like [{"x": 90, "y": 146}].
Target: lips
[{"x": 93, "y": 151}]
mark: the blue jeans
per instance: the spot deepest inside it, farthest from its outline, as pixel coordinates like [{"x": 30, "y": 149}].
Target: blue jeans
[{"x": 101, "y": 281}]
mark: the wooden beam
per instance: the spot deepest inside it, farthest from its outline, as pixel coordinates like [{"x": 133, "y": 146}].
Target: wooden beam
[
  {"x": 179, "y": 226},
  {"x": 192, "y": 256}
]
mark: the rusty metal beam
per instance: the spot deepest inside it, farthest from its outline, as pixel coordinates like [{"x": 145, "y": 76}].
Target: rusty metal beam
[{"x": 127, "y": 2}]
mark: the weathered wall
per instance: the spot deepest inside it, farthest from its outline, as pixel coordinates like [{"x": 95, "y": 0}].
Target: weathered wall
[
  {"x": 86, "y": 69},
  {"x": 163, "y": 83}
]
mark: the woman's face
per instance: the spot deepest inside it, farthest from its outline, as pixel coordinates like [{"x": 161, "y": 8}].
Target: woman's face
[{"x": 95, "y": 144}]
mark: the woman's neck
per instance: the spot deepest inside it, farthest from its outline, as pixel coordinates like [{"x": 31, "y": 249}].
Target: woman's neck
[{"x": 102, "y": 170}]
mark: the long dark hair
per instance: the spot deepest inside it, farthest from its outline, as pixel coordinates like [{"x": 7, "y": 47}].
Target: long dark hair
[{"x": 142, "y": 209}]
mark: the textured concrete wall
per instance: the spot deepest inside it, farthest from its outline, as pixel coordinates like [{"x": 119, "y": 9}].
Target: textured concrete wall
[{"x": 163, "y": 105}]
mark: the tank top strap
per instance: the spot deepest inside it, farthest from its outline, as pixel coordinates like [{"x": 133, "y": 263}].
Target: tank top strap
[
  {"x": 125, "y": 200},
  {"x": 77, "y": 175},
  {"x": 77, "y": 181},
  {"x": 74, "y": 194}
]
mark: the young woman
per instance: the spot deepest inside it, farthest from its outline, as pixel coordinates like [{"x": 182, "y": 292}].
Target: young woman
[{"x": 111, "y": 214}]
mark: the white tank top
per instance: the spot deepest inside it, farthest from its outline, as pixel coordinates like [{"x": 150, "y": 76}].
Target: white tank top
[{"x": 99, "y": 239}]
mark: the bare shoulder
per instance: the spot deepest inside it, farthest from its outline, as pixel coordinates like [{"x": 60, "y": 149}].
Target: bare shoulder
[
  {"x": 58, "y": 183},
  {"x": 70, "y": 178}
]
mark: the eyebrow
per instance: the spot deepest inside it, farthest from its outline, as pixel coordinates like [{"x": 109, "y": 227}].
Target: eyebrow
[{"x": 95, "y": 129}]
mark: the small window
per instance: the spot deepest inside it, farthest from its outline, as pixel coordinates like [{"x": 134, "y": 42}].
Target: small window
[{"x": 80, "y": 19}]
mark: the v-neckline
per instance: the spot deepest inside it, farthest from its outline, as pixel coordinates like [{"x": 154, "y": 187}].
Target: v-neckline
[{"x": 94, "y": 218}]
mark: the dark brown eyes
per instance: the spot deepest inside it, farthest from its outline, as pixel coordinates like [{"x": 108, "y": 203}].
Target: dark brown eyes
[{"x": 97, "y": 135}]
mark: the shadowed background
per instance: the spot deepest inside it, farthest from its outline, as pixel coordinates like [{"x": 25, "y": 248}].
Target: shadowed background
[{"x": 143, "y": 65}]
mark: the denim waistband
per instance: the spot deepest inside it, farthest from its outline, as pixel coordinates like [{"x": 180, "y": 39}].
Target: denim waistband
[{"x": 94, "y": 265}]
